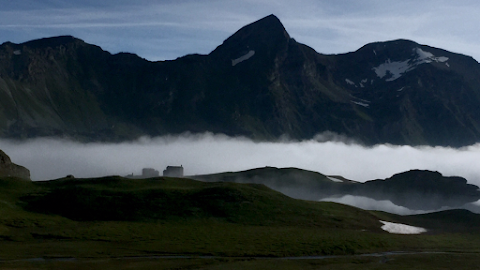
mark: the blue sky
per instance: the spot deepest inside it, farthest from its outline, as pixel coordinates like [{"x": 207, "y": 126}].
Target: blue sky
[{"x": 166, "y": 29}]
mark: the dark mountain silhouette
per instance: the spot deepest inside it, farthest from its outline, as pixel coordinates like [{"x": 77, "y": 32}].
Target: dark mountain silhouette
[
  {"x": 415, "y": 189},
  {"x": 259, "y": 83},
  {"x": 296, "y": 183},
  {"x": 422, "y": 190}
]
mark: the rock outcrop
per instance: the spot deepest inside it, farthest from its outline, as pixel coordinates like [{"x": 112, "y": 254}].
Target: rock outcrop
[{"x": 9, "y": 169}]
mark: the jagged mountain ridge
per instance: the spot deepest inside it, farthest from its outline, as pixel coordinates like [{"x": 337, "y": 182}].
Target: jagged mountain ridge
[{"x": 260, "y": 83}]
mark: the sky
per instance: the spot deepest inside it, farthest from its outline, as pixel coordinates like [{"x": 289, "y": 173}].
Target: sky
[{"x": 167, "y": 29}]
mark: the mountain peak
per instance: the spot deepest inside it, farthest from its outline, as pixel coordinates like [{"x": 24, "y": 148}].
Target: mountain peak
[
  {"x": 266, "y": 33},
  {"x": 270, "y": 21},
  {"x": 52, "y": 42},
  {"x": 266, "y": 27},
  {"x": 398, "y": 48}
]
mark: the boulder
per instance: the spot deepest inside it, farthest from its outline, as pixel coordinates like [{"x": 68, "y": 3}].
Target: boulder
[{"x": 9, "y": 169}]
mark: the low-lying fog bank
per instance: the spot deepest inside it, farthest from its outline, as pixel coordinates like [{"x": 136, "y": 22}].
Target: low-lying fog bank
[
  {"x": 51, "y": 158},
  {"x": 387, "y": 206}
]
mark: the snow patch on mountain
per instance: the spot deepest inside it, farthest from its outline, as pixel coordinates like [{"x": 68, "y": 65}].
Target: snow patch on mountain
[
  {"x": 243, "y": 58},
  {"x": 394, "y": 70},
  {"x": 362, "y": 82},
  {"x": 399, "y": 228},
  {"x": 335, "y": 179},
  {"x": 426, "y": 57},
  {"x": 361, "y": 103},
  {"x": 349, "y": 82}
]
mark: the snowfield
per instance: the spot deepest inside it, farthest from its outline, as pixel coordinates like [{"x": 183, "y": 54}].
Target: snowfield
[
  {"x": 335, "y": 179},
  {"x": 398, "y": 228},
  {"x": 361, "y": 103},
  {"x": 394, "y": 70},
  {"x": 243, "y": 58}
]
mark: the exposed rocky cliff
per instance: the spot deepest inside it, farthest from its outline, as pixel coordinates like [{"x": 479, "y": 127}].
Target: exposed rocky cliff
[{"x": 9, "y": 169}]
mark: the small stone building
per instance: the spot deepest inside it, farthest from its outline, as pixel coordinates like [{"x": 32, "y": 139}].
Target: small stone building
[
  {"x": 149, "y": 173},
  {"x": 173, "y": 171}
]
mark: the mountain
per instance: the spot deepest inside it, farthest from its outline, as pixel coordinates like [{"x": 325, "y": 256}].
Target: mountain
[
  {"x": 296, "y": 183},
  {"x": 259, "y": 83},
  {"x": 421, "y": 190},
  {"x": 415, "y": 189}
]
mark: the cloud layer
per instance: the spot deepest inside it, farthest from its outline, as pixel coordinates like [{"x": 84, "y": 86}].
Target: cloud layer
[
  {"x": 372, "y": 204},
  {"x": 51, "y": 158}
]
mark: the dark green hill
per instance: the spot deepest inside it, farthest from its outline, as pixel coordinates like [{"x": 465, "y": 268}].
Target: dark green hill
[
  {"x": 115, "y": 216},
  {"x": 296, "y": 183},
  {"x": 259, "y": 83},
  {"x": 170, "y": 199}
]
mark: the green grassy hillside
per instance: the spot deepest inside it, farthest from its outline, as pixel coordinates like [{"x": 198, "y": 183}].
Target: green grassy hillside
[
  {"x": 294, "y": 182},
  {"x": 171, "y": 199},
  {"x": 117, "y": 217}
]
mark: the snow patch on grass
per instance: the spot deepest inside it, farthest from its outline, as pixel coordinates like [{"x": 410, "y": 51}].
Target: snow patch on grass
[{"x": 399, "y": 228}]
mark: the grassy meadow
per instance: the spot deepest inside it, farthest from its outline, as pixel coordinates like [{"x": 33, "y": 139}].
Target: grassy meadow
[{"x": 118, "y": 223}]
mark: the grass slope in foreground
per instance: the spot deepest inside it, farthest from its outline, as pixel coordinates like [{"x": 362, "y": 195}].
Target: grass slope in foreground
[{"x": 118, "y": 217}]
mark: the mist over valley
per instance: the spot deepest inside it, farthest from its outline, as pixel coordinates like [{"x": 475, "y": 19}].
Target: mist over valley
[
  {"x": 204, "y": 154},
  {"x": 51, "y": 158}
]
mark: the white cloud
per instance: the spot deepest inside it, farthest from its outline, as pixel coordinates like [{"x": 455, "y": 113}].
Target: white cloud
[
  {"x": 372, "y": 204},
  {"x": 207, "y": 153}
]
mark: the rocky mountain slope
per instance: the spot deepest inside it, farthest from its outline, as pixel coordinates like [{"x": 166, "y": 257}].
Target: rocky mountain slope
[
  {"x": 260, "y": 83},
  {"x": 10, "y": 169}
]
